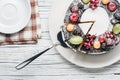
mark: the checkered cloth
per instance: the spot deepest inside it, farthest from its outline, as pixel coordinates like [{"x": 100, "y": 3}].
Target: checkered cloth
[{"x": 30, "y": 34}]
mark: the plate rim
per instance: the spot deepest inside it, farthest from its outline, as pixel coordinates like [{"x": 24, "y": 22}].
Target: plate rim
[{"x": 22, "y": 25}]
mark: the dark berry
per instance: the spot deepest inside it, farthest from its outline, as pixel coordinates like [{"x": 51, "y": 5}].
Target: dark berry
[
  {"x": 103, "y": 46},
  {"x": 92, "y": 1},
  {"x": 93, "y": 4},
  {"x": 109, "y": 41},
  {"x": 117, "y": 15},
  {"x": 116, "y": 41},
  {"x": 107, "y": 32},
  {"x": 91, "y": 42},
  {"x": 74, "y": 8},
  {"x": 80, "y": 6},
  {"x": 77, "y": 32},
  {"x": 96, "y": 2},
  {"x": 93, "y": 36},
  {"x": 87, "y": 40},
  {"x": 114, "y": 21},
  {"x": 107, "y": 35},
  {"x": 111, "y": 36},
  {"x": 90, "y": 37},
  {"x": 85, "y": 44},
  {"x": 88, "y": 47}
]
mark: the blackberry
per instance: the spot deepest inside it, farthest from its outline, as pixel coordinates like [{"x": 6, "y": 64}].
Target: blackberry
[
  {"x": 77, "y": 32},
  {"x": 80, "y": 6}
]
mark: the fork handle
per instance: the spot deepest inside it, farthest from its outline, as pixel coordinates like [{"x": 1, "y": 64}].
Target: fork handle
[{"x": 28, "y": 61}]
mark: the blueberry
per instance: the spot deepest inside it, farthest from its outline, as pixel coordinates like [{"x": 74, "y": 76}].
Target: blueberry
[
  {"x": 103, "y": 46},
  {"x": 117, "y": 15},
  {"x": 114, "y": 21},
  {"x": 77, "y": 32},
  {"x": 80, "y": 6}
]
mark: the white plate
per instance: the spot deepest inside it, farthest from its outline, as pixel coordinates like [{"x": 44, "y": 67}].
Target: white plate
[
  {"x": 83, "y": 60},
  {"x": 14, "y": 15}
]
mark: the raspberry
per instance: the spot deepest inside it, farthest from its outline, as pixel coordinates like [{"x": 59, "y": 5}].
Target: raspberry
[
  {"x": 74, "y": 17},
  {"x": 102, "y": 39}
]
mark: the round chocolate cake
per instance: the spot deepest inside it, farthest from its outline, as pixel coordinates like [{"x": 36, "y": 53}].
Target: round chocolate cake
[{"x": 92, "y": 26}]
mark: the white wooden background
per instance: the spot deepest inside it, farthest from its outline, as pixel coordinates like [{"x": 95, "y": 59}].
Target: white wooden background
[{"x": 50, "y": 66}]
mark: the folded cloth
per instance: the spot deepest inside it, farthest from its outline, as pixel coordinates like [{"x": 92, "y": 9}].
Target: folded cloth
[{"x": 30, "y": 34}]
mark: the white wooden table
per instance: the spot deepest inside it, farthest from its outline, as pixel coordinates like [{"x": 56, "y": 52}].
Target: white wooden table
[{"x": 50, "y": 66}]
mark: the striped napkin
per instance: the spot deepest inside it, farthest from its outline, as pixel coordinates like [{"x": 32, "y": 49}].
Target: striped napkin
[{"x": 30, "y": 34}]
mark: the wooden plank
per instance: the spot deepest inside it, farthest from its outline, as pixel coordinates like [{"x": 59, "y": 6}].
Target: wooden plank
[
  {"x": 62, "y": 77},
  {"x": 49, "y": 66}
]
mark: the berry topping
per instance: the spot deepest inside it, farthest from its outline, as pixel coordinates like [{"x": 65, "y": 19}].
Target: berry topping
[
  {"x": 93, "y": 4},
  {"x": 80, "y": 6},
  {"x": 112, "y": 6},
  {"x": 117, "y": 15},
  {"x": 93, "y": 36},
  {"x": 102, "y": 39},
  {"x": 89, "y": 41},
  {"x": 74, "y": 17},
  {"x": 108, "y": 34},
  {"x": 92, "y": 42},
  {"x": 74, "y": 8},
  {"x": 77, "y": 32},
  {"x": 116, "y": 41},
  {"x": 70, "y": 27},
  {"x": 88, "y": 46},
  {"x": 109, "y": 41},
  {"x": 103, "y": 46},
  {"x": 77, "y": 38}
]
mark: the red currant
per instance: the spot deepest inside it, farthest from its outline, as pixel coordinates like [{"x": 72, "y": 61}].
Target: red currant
[
  {"x": 116, "y": 41},
  {"x": 85, "y": 44},
  {"x": 93, "y": 4},
  {"x": 93, "y": 36},
  {"x": 96, "y": 2},
  {"x": 88, "y": 46},
  {"x": 91, "y": 42},
  {"x": 102, "y": 39}
]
